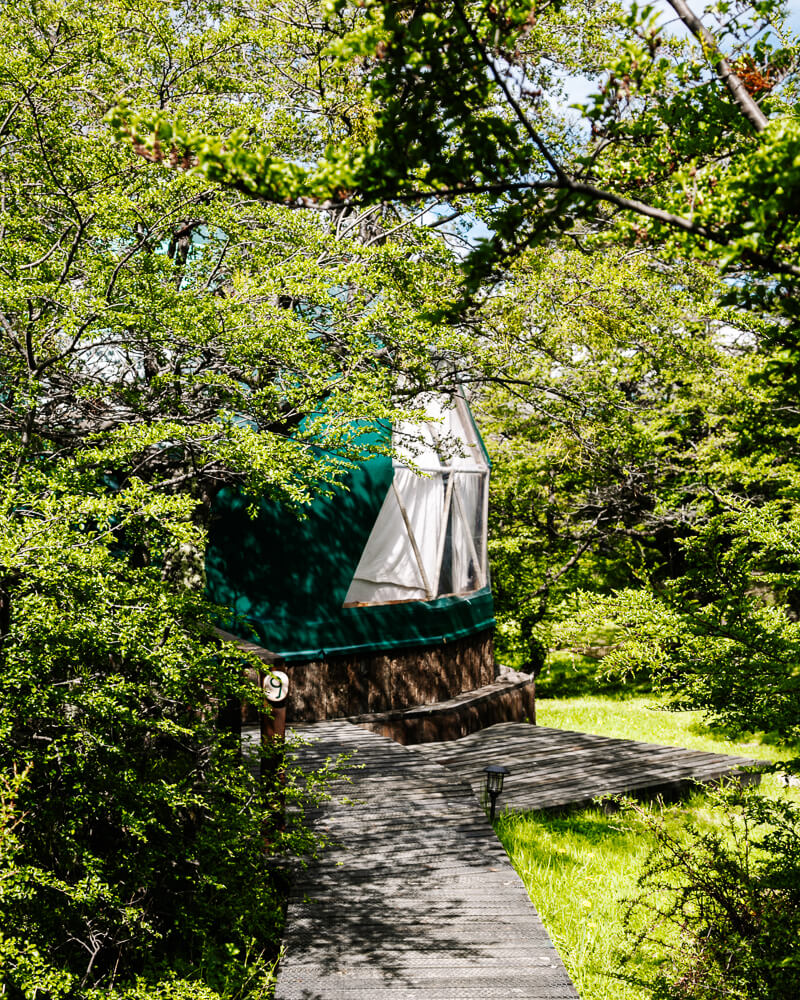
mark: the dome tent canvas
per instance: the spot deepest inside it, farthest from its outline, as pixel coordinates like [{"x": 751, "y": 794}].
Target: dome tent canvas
[
  {"x": 429, "y": 538},
  {"x": 395, "y": 559}
]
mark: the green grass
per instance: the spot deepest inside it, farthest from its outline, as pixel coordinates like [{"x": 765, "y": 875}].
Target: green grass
[
  {"x": 578, "y": 866},
  {"x": 646, "y": 718}
]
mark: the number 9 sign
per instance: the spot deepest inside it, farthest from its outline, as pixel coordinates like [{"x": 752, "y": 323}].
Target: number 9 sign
[{"x": 276, "y": 685}]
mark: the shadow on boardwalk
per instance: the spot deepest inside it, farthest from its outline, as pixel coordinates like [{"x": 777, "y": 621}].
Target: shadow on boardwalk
[
  {"x": 558, "y": 769},
  {"x": 417, "y": 899}
]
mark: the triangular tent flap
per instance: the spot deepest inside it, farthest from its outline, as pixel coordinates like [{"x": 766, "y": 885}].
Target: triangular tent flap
[
  {"x": 399, "y": 558},
  {"x": 429, "y": 539}
]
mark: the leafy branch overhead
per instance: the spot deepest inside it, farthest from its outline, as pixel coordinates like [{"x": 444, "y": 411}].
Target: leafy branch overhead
[
  {"x": 161, "y": 338},
  {"x": 691, "y": 129}
]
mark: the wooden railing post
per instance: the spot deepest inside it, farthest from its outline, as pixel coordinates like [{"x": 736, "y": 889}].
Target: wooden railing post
[{"x": 272, "y": 719}]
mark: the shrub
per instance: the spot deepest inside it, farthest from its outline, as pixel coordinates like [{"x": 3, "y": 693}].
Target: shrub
[
  {"x": 724, "y": 904},
  {"x": 133, "y": 851}
]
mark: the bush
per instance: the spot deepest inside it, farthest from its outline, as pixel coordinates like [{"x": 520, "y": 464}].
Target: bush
[
  {"x": 724, "y": 904},
  {"x": 133, "y": 853}
]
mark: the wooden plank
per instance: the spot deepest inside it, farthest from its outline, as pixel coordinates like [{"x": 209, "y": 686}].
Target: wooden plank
[
  {"x": 417, "y": 899},
  {"x": 553, "y": 768}
]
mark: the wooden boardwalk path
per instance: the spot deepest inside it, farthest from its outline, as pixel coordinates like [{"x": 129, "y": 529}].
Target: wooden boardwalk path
[
  {"x": 418, "y": 900},
  {"x": 555, "y": 768}
]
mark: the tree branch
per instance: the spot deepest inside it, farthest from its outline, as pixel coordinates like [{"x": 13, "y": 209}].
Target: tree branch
[
  {"x": 500, "y": 80},
  {"x": 722, "y": 67},
  {"x": 766, "y": 261}
]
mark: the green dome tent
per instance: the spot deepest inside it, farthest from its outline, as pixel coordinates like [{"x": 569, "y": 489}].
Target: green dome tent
[{"x": 394, "y": 561}]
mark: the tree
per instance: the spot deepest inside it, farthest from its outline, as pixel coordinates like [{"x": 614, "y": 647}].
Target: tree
[
  {"x": 614, "y": 419},
  {"x": 692, "y": 134},
  {"x": 134, "y": 808},
  {"x": 135, "y": 299},
  {"x": 162, "y": 338}
]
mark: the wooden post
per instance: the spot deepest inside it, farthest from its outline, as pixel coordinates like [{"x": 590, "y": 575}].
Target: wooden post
[
  {"x": 273, "y": 725},
  {"x": 274, "y": 686},
  {"x": 272, "y": 719}
]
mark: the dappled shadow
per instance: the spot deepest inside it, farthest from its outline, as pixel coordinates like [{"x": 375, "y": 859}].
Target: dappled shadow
[
  {"x": 557, "y": 768},
  {"x": 285, "y": 574},
  {"x": 584, "y": 676},
  {"x": 418, "y": 895},
  {"x": 590, "y": 825},
  {"x": 717, "y": 731}
]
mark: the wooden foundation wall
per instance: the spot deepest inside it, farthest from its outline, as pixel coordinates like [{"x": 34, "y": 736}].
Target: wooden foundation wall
[
  {"x": 512, "y": 698},
  {"x": 340, "y": 687}
]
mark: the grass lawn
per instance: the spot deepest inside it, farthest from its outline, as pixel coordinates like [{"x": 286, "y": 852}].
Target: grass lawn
[
  {"x": 644, "y": 717},
  {"x": 579, "y": 865}
]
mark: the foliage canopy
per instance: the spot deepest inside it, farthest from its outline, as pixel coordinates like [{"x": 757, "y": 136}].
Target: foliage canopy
[{"x": 160, "y": 337}]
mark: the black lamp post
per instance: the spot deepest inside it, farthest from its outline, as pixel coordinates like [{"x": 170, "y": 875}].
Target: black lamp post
[{"x": 495, "y": 773}]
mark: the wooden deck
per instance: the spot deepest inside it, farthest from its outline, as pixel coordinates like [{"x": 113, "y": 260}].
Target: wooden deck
[
  {"x": 555, "y": 768},
  {"x": 418, "y": 900}
]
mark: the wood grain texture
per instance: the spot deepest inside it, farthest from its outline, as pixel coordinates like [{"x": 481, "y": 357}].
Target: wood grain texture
[
  {"x": 418, "y": 898},
  {"x": 341, "y": 686},
  {"x": 511, "y": 697}
]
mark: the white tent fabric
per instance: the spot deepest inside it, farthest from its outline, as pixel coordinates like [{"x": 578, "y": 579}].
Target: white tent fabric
[
  {"x": 429, "y": 538},
  {"x": 392, "y": 566},
  {"x": 467, "y": 534}
]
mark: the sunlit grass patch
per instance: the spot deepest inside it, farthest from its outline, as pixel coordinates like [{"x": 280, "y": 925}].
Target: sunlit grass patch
[
  {"x": 580, "y": 866},
  {"x": 646, "y": 718},
  {"x": 576, "y": 869}
]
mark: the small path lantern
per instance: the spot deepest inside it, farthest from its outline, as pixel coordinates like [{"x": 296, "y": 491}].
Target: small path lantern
[{"x": 495, "y": 773}]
